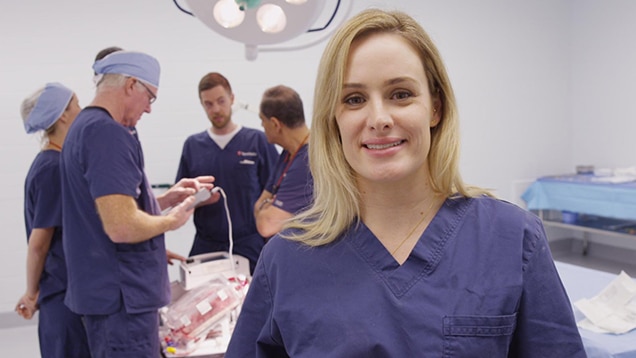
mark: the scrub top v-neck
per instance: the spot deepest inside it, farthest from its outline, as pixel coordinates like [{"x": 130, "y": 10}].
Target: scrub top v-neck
[{"x": 470, "y": 287}]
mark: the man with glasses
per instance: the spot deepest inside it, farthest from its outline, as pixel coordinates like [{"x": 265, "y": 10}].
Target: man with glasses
[
  {"x": 151, "y": 96},
  {"x": 170, "y": 255},
  {"x": 113, "y": 228}
]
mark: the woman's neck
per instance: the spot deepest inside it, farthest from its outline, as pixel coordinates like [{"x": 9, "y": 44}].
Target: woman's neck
[
  {"x": 398, "y": 214},
  {"x": 56, "y": 140},
  {"x": 394, "y": 199}
]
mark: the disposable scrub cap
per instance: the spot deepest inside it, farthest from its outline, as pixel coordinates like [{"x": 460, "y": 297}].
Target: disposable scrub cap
[
  {"x": 49, "y": 108},
  {"x": 128, "y": 63}
]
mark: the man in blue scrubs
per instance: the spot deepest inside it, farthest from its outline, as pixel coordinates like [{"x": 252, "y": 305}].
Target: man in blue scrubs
[
  {"x": 241, "y": 161},
  {"x": 290, "y": 186},
  {"x": 113, "y": 230},
  {"x": 50, "y": 111},
  {"x": 171, "y": 255}
]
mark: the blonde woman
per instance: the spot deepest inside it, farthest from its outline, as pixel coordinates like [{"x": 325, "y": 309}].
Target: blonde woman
[
  {"x": 49, "y": 111},
  {"x": 398, "y": 257}
]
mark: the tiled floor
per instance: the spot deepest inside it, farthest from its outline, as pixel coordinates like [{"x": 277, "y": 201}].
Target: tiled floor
[{"x": 19, "y": 342}]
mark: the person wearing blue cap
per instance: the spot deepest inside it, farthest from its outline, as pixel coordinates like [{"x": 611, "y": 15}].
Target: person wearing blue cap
[
  {"x": 50, "y": 111},
  {"x": 170, "y": 255},
  {"x": 100, "y": 55},
  {"x": 113, "y": 227}
]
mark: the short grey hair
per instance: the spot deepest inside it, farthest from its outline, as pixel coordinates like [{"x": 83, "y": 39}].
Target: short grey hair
[
  {"x": 111, "y": 80},
  {"x": 29, "y": 103}
]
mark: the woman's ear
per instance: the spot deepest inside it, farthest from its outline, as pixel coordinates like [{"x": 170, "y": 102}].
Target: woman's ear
[
  {"x": 436, "y": 116},
  {"x": 64, "y": 118}
]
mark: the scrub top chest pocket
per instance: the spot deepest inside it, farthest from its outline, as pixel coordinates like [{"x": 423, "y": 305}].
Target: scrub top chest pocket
[
  {"x": 246, "y": 166},
  {"x": 488, "y": 335}
]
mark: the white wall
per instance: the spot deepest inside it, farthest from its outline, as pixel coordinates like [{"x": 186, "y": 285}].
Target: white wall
[
  {"x": 523, "y": 73},
  {"x": 603, "y": 85}
]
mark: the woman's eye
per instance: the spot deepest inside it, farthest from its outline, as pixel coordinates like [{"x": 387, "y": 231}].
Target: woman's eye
[
  {"x": 401, "y": 94},
  {"x": 353, "y": 100}
]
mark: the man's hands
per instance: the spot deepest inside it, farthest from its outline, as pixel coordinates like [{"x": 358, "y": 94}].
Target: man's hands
[
  {"x": 184, "y": 189},
  {"x": 27, "y": 305},
  {"x": 170, "y": 255}
]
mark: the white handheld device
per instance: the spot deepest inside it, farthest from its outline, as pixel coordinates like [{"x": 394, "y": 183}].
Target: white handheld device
[{"x": 201, "y": 196}]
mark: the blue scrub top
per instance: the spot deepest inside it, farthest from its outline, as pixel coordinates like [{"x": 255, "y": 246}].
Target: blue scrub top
[
  {"x": 43, "y": 209},
  {"x": 294, "y": 193},
  {"x": 241, "y": 169},
  {"x": 102, "y": 157},
  {"x": 480, "y": 282}
]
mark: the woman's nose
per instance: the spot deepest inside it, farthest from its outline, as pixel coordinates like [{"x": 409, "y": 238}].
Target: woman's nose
[{"x": 379, "y": 116}]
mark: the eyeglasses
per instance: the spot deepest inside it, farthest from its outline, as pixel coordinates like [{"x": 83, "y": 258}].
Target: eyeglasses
[{"x": 151, "y": 96}]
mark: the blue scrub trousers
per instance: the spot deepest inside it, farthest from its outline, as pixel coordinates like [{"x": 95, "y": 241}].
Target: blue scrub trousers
[
  {"x": 124, "y": 335},
  {"x": 60, "y": 331}
]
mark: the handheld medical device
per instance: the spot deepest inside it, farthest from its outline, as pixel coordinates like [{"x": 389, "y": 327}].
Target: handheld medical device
[{"x": 201, "y": 196}]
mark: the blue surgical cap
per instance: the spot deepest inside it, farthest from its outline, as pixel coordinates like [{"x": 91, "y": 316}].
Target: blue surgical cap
[
  {"x": 49, "y": 108},
  {"x": 134, "y": 64}
]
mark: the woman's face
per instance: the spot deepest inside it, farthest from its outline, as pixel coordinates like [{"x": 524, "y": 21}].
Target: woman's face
[
  {"x": 73, "y": 109},
  {"x": 386, "y": 110}
]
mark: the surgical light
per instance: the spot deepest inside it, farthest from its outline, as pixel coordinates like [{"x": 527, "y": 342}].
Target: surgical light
[
  {"x": 271, "y": 18},
  {"x": 259, "y": 22},
  {"x": 227, "y": 14}
]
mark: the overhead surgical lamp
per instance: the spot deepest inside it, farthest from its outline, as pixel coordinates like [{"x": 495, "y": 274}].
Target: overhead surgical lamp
[{"x": 259, "y": 22}]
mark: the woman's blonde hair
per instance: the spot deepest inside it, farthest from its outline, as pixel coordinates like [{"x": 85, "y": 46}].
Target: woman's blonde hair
[{"x": 336, "y": 197}]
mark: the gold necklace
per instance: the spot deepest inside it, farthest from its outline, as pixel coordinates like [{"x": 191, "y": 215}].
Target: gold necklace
[
  {"x": 54, "y": 145},
  {"x": 414, "y": 227}
]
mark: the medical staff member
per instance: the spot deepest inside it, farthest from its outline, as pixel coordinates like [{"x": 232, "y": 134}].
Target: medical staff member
[
  {"x": 397, "y": 257},
  {"x": 240, "y": 159},
  {"x": 101, "y": 54},
  {"x": 290, "y": 186},
  {"x": 170, "y": 255},
  {"x": 49, "y": 111},
  {"x": 113, "y": 230}
]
